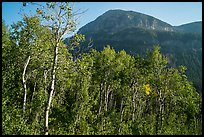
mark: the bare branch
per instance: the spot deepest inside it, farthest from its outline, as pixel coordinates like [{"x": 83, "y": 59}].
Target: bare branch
[{"x": 79, "y": 13}]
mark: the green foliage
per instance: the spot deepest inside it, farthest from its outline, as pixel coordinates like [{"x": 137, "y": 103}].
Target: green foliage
[
  {"x": 179, "y": 48},
  {"x": 102, "y": 92}
]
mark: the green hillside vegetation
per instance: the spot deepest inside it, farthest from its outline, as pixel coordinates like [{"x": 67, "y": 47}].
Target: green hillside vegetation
[
  {"x": 195, "y": 27},
  {"x": 45, "y": 90},
  {"x": 180, "y": 48}
]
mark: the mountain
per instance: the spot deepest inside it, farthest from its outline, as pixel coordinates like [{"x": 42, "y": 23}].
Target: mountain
[
  {"x": 136, "y": 33},
  {"x": 117, "y": 20},
  {"x": 194, "y": 27}
]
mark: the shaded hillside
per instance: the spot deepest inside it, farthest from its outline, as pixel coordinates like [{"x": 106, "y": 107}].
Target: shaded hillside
[{"x": 194, "y": 27}]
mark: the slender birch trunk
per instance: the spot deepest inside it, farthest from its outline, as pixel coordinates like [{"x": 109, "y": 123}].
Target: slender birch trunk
[
  {"x": 24, "y": 83},
  {"x": 156, "y": 116},
  {"x": 45, "y": 77},
  {"x": 52, "y": 88},
  {"x": 134, "y": 105},
  {"x": 105, "y": 98},
  {"x": 107, "y": 95},
  {"x": 160, "y": 110},
  {"x": 121, "y": 115},
  {"x": 111, "y": 100},
  {"x": 100, "y": 98}
]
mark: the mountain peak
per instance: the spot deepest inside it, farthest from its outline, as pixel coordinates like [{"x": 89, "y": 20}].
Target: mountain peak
[{"x": 116, "y": 20}]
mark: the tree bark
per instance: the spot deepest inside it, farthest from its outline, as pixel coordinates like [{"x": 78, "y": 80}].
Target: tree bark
[
  {"x": 158, "y": 115},
  {"x": 52, "y": 88},
  {"x": 134, "y": 105},
  {"x": 121, "y": 116},
  {"x": 45, "y": 77},
  {"x": 111, "y": 100},
  {"x": 101, "y": 91},
  {"x": 106, "y": 97},
  {"x": 24, "y": 83},
  {"x": 162, "y": 112}
]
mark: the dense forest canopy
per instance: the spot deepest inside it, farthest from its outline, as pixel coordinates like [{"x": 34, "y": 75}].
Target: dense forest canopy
[{"x": 45, "y": 90}]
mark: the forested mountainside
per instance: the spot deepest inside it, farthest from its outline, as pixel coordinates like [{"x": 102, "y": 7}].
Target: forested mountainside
[
  {"x": 46, "y": 90},
  {"x": 136, "y": 33},
  {"x": 194, "y": 27}
]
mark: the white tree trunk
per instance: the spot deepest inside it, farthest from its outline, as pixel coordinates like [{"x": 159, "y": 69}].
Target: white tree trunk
[
  {"x": 101, "y": 91},
  {"x": 121, "y": 116},
  {"x": 111, "y": 100},
  {"x": 106, "y": 97},
  {"x": 52, "y": 88},
  {"x": 24, "y": 84},
  {"x": 134, "y": 105}
]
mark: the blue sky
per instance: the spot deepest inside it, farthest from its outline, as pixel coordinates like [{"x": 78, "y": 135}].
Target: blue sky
[{"x": 174, "y": 13}]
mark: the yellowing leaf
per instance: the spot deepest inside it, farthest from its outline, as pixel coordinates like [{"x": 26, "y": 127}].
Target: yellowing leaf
[
  {"x": 147, "y": 89},
  {"x": 147, "y": 92}
]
